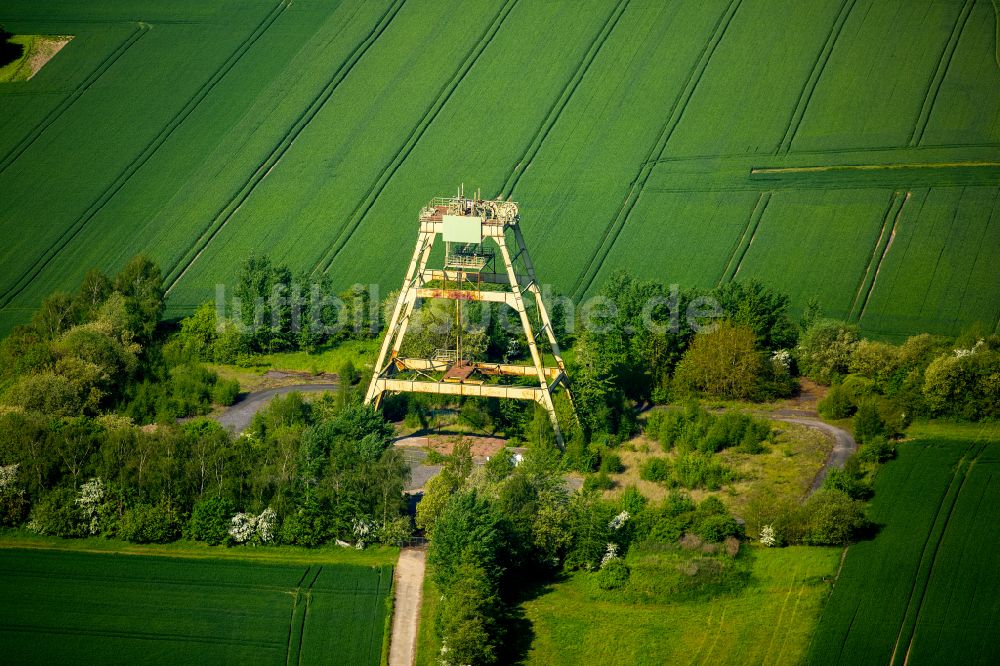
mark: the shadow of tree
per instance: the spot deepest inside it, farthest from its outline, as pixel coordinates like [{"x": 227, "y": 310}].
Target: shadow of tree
[{"x": 9, "y": 52}]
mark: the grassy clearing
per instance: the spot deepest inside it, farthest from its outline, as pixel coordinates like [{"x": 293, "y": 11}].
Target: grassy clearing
[
  {"x": 786, "y": 470},
  {"x": 113, "y": 608},
  {"x": 770, "y": 621},
  {"x": 926, "y": 588}
]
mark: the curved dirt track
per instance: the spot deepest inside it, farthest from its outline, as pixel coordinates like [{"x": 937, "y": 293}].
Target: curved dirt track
[{"x": 238, "y": 416}]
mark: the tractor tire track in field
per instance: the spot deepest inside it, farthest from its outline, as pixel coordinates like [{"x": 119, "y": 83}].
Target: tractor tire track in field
[
  {"x": 21, "y": 146},
  {"x": 294, "y": 646},
  {"x": 143, "y": 157},
  {"x": 944, "y": 62},
  {"x": 261, "y": 171},
  {"x": 746, "y": 238},
  {"x": 866, "y": 285},
  {"x": 298, "y": 631},
  {"x": 929, "y": 553},
  {"x": 814, "y": 76},
  {"x": 542, "y": 133},
  {"x": 781, "y": 615},
  {"x": 413, "y": 138},
  {"x": 614, "y": 228}
]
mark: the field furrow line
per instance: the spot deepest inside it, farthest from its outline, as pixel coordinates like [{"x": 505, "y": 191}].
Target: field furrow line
[
  {"x": 805, "y": 96},
  {"x": 21, "y": 146},
  {"x": 739, "y": 249},
  {"x": 781, "y": 615},
  {"x": 264, "y": 168},
  {"x": 614, "y": 228},
  {"x": 944, "y": 62},
  {"x": 413, "y": 138},
  {"x": 937, "y": 262},
  {"x": 861, "y": 295},
  {"x": 928, "y": 557},
  {"x": 294, "y": 646},
  {"x": 983, "y": 243},
  {"x": 305, "y": 615},
  {"x": 510, "y": 183},
  {"x": 750, "y": 236},
  {"x": 143, "y": 157}
]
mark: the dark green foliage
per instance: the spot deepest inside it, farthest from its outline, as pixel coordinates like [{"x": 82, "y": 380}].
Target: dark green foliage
[
  {"x": 150, "y": 523},
  {"x": 868, "y": 423},
  {"x": 696, "y": 429},
  {"x": 750, "y": 303},
  {"x": 611, "y": 463},
  {"x": 58, "y": 514},
  {"x": 825, "y": 350},
  {"x": 210, "y": 520},
  {"x": 141, "y": 283},
  {"x": 469, "y": 529},
  {"x": 837, "y": 404},
  {"x": 348, "y": 374},
  {"x": 613, "y": 575},
  {"x": 306, "y": 524},
  {"x": 468, "y": 618},
  {"x": 834, "y": 518},
  {"x": 701, "y": 470},
  {"x": 876, "y": 450},
  {"x": 848, "y": 481},
  {"x": 656, "y": 469},
  {"x": 225, "y": 392},
  {"x": 599, "y": 481},
  {"x": 718, "y": 528}
]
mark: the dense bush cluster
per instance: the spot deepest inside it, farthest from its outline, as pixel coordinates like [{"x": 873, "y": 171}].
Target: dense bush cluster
[
  {"x": 324, "y": 472},
  {"x": 925, "y": 376}
]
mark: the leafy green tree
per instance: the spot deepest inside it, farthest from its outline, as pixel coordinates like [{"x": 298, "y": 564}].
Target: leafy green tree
[
  {"x": 825, "y": 350},
  {"x": 210, "y": 520},
  {"x": 764, "y": 311},
  {"x": 834, "y": 518},
  {"x": 58, "y": 514},
  {"x": 470, "y": 529},
  {"x": 141, "y": 283},
  {"x": 468, "y": 617},
  {"x": 724, "y": 363},
  {"x": 868, "y": 422}
]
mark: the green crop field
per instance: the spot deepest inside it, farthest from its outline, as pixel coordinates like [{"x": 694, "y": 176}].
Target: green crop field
[
  {"x": 74, "y": 607},
  {"x": 927, "y": 588},
  {"x": 842, "y": 149},
  {"x": 768, "y": 622}
]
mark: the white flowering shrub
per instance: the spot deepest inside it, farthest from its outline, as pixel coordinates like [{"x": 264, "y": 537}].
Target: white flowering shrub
[
  {"x": 90, "y": 497},
  {"x": 962, "y": 353},
  {"x": 12, "y": 502},
  {"x": 610, "y": 554},
  {"x": 247, "y": 528},
  {"x": 618, "y": 521},
  {"x": 242, "y": 527},
  {"x": 8, "y": 475},
  {"x": 767, "y": 536},
  {"x": 783, "y": 358},
  {"x": 364, "y": 532},
  {"x": 267, "y": 525}
]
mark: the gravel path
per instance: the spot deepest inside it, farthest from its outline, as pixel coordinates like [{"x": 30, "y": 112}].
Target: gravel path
[
  {"x": 843, "y": 444},
  {"x": 238, "y": 416},
  {"x": 409, "y": 584}
]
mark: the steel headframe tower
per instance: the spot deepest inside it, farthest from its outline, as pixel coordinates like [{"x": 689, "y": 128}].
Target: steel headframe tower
[{"x": 469, "y": 265}]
